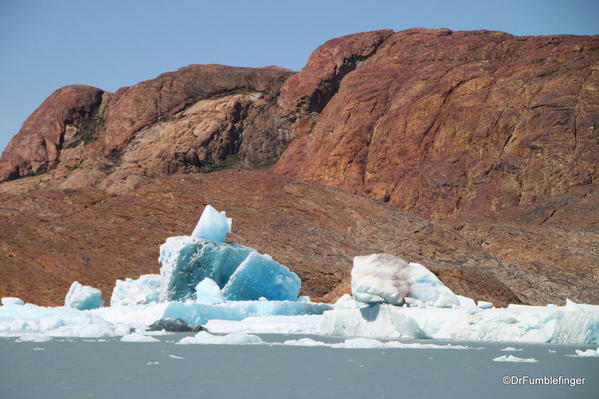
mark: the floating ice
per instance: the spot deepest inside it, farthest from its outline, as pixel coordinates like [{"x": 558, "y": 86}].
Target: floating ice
[
  {"x": 12, "y": 301},
  {"x": 382, "y": 278},
  {"x": 304, "y": 324},
  {"x": 587, "y": 353},
  {"x": 260, "y": 276},
  {"x": 367, "y": 343},
  {"x": 34, "y": 338},
  {"x": 198, "y": 314},
  {"x": 510, "y": 358},
  {"x": 230, "y": 339},
  {"x": 346, "y": 301},
  {"x": 176, "y": 357},
  {"x": 213, "y": 225},
  {"x": 521, "y": 324},
  {"x": 359, "y": 343},
  {"x": 208, "y": 292},
  {"x": 241, "y": 272},
  {"x": 136, "y": 337},
  {"x": 511, "y": 349},
  {"x": 424, "y": 285},
  {"x": 83, "y": 297},
  {"x": 304, "y": 342},
  {"x": 186, "y": 261},
  {"x": 141, "y": 291}
]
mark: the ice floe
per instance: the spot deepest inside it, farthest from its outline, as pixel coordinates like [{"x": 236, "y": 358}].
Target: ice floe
[
  {"x": 141, "y": 291},
  {"x": 587, "y": 353},
  {"x": 136, "y": 337},
  {"x": 515, "y": 359},
  {"x": 206, "y": 338}
]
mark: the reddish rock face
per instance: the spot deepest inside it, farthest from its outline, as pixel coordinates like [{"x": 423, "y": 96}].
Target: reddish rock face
[
  {"x": 38, "y": 144},
  {"x": 445, "y": 123},
  {"x": 199, "y": 118}
]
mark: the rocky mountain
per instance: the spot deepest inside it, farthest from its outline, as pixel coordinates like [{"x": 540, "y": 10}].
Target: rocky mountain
[{"x": 474, "y": 153}]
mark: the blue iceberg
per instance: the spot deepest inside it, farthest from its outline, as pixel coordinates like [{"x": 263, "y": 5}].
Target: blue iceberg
[
  {"x": 186, "y": 261},
  {"x": 241, "y": 272},
  {"x": 260, "y": 276},
  {"x": 197, "y": 314}
]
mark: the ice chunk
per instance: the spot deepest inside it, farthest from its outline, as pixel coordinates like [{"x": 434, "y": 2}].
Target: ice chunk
[
  {"x": 136, "y": 337},
  {"x": 521, "y": 324},
  {"x": 587, "y": 353},
  {"x": 511, "y": 349},
  {"x": 198, "y": 314},
  {"x": 141, "y": 291},
  {"x": 346, "y": 301},
  {"x": 171, "y": 325},
  {"x": 304, "y": 342},
  {"x": 380, "y": 278},
  {"x": 8, "y": 301},
  {"x": 359, "y": 343},
  {"x": 466, "y": 303},
  {"x": 230, "y": 339},
  {"x": 510, "y": 358},
  {"x": 186, "y": 261},
  {"x": 304, "y": 324},
  {"x": 34, "y": 338},
  {"x": 378, "y": 321},
  {"x": 260, "y": 276},
  {"x": 424, "y": 285},
  {"x": 485, "y": 305},
  {"x": 83, "y": 297},
  {"x": 213, "y": 225},
  {"x": 176, "y": 357},
  {"x": 208, "y": 292}
]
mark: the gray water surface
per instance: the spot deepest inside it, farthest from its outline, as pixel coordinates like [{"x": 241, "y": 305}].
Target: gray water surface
[{"x": 113, "y": 369}]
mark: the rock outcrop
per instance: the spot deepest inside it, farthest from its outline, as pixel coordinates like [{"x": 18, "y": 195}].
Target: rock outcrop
[
  {"x": 444, "y": 123},
  {"x": 197, "y": 119}
]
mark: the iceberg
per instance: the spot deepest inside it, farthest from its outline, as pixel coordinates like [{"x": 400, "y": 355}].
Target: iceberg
[
  {"x": 301, "y": 324},
  {"x": 230, "y": 339},
  {"x": 186, "y": 261},
  {"x": 208, "y": 292},
  {"x": 515, "y": 359},
  {"x": 380, "y": 278},
  {"x": 240, "y": 272},
  {"x": 141, "y": 291},
  {"x": 383, "y": 278},
  {"x": 8, "y": 301},
  {"x": 520, "y": 324},
  {"x": 213, "y": 225},
  {"x": 260, "y": 276},
  {"x": 587, "y": 353},
  {"x": 198, "y": 314},
  {"x": 136, "y": 337},
  {"x": 83, "y": 297}
]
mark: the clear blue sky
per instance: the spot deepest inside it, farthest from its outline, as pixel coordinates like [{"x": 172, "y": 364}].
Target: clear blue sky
[{"x": 45, "y": 45}]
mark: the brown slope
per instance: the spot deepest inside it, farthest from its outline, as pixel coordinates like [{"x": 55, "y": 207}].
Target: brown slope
[{"x": 50, "y": 238}]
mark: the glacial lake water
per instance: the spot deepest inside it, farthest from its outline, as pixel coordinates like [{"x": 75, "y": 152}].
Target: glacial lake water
[{"x": 77, "y": 368}]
